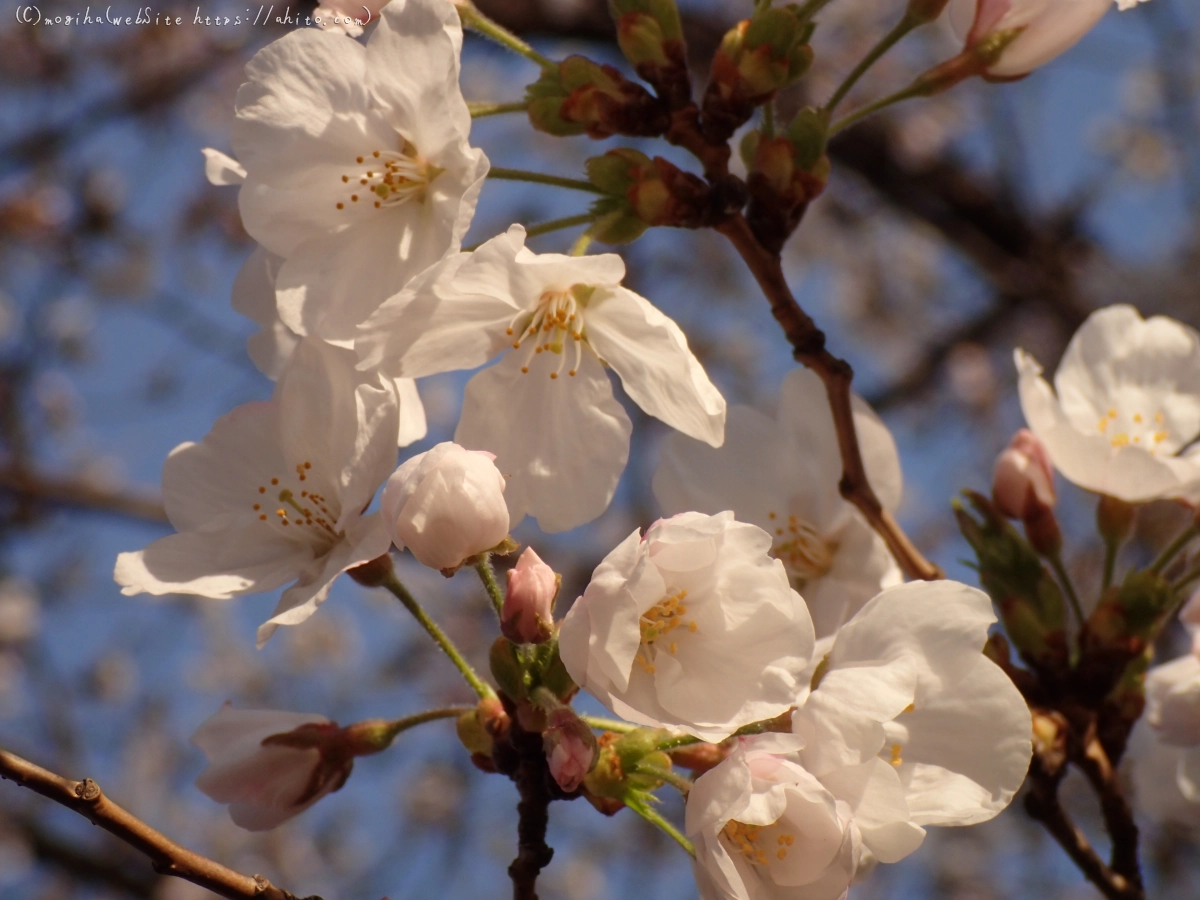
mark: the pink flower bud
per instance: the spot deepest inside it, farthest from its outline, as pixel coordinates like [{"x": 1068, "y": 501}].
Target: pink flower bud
[
  {"x": 527, "y": 617},
  {"x": 1023, "y": 482},
  {"x": 269, "y": 765},
  {"x": 446, "y": 505},
  {"x": 1037, "y": 30},
  {"x": 570, "y": 748}
]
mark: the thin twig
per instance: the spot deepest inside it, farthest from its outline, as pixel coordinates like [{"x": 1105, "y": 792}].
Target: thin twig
[
  {"x": 808, "y": 344},
  {"x": 166, "y": 856},
  {"x": 1042, "y": 804},
  {"x": 67, "y": 491},
  {"x": 533, "y": 811},
  {"x": 1118, "y": 817}
]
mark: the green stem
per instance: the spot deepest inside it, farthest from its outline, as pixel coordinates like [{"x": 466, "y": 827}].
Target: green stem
[
  {"x": 654, "y": 818},
  {"x": 481, "y": 110},
  {"x": 450, "y": 712},
  {"x": 475, "y": 20},
  {"x": 669, "y": 776},
  {"x": 609, "y": 724},
  {"x": 1172, "y": 549},
  {"x": 575, "y": 184},
  {"x": 916, "y": 89},
  {"x": 1187, "y": 578},
  {"x": 546, "y": 228},
  {"x": 810, "y": 9},
  {"x": 392, "y": 583},
  {"x": 580, "y": 247},
  {"x": 886, "y": 43},
  {"x": 488, "y": 577},
  {"x": 1068, "y": 586}
]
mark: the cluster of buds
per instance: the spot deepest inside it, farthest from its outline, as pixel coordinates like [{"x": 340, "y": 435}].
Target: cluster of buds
[
  {"x": 579, "y": 96},
  {"x": 650, "y": 35},
  {"x": 641, "y": 192},
  {"x": 757, "y": 58},
  {"x": 786, "y": 173}
]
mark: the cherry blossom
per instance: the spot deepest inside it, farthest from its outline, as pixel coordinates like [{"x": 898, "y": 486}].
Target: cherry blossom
[
  {"x": 1173, "y": 714},
  {"x": 692, "y": 626},
  {"x": 547, "y": 408},
  {"x": 765, "y": 829},
  {"x": 782, "y": 475},
  {"x": 255, "y": 298},
  {"x": 1125, "y": 408},
  {"x": 358, "y": 170},
  {"x": 345, "y": 16},
  {"x": 265, "y": 783},
  {"x": 446, "y": 505},
  {"x": 275, "y": 493},
  {"x": 910, "y": 722},
  {"x": 1044, "y": 28}
]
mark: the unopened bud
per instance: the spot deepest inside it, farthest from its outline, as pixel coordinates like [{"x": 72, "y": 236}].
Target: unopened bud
[
  {"x": 1114, "y": 519},
  {"x": 584, "y": 96},
  {"x": 646, "y": 191},
  {"x": 650, "y": 35},
  {"x": 1014, "y": 37},
  {"x": 1023, "y": 478},
  {"x": 571, "y": 749},
  {"x": 528, "y": 613}
]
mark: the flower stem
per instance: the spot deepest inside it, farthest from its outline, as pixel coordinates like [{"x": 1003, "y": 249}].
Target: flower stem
[
  {"x": 481, "y": 110},
  {"x": 1068, "y": 586},
  {"x": 392, "y": 583},
  {"x": 810, "y": 9},
  {"x": 886, "y": 43},
  {"x": 1172, "y": 549},
  {"x": 614, "y": 725},
  {"x": 488, "y": 577},
  {"x": 1110, "y": 563},
  {"x": 670, "y": 830},
  {"x": 475, "y": 20},
  {"x": 669, "y": 776},
  {"x": 580, "y": 247},
  {"x": 916, "y": 89},
  {"x": 558, "y": 224},
  {"x": 450, "y": 712},
  {"x": 538, "y": 178}
]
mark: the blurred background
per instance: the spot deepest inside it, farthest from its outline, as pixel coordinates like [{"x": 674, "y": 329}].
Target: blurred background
[{"x": 952, "y": 230}]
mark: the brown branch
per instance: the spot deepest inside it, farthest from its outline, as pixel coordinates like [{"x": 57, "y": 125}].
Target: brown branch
[
  {"x": 1118, "y": 817},
  {"x": 78, "y": 492},
  {"x": 166, "y": 856},
  {"x": 1042, "y": 803},
  {"x": 808, "y": 344},
  {"x": 533, "y": 812}
]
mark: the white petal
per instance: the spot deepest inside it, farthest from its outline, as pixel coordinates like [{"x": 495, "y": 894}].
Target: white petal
[
  {"x": 365, "y": 540},
  {"x": 432, "y": 326},
  {"x": 221, "y": 169},
  {"x": 650, "y": 354},
  {"x": 217, "y": 564},
  {"x": 254, "y": 297},
  {"x": 874, "y": 793},
  {"x": 562, "y": 443},
  {"x": 413, "y": 426}
]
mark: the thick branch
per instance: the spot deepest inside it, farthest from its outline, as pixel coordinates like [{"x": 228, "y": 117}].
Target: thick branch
[
  {"x": 533, "y": 854},
  {"x": 1118, "y": 817},
  {"x": 808, "y": 345},
  {"x": 167, "y": 857},
  {"x": 1042, "y": 804}
]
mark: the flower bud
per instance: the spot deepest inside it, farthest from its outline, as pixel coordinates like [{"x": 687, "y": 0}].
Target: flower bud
[
  {"x": 270, "y": 765},
  {"x": 1023, "y": 480},
  {"x": 571, "y": 749},
  {"x": 650, "y": 35},
  {"x": 528, "y": 613},
  {"x": 581, "y": 96},
  {"x": 1018, "y": 36},
  {"x": 446, "y": 505},
  {"x": 641, "y": 192}
]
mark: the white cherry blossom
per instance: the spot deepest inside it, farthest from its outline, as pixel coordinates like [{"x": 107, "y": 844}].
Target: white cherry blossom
[
  {"x": 264, "y": 785},
  {"x": 445, "y": 505},
  {"x": 765, "y": 829},
  {"x": 911, "y": 721},
  {"x": 275, "y": 493},
  {"x": 1173, "y": 713},
  {"x": 782, "y": 475},
  {"x": 346, "y": 16},
  {"x": 358, "y": 170},
  {"x": 1124, "y": 413},
  {"x": 1046, "y": 28},
  {"x": 547, "y": 408},
  {"x": 692, "y": 626}
]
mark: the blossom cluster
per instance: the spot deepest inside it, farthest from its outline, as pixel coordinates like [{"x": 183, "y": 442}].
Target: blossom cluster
[{"x": 763, "y": 616}]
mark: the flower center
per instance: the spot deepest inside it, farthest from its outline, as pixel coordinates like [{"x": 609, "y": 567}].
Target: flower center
[
  {"x": 804, "y": 551},
  {"x": 388, "y": 178},
  {"x": 1136, "y": 429},
  {"x": 556, "y": 321},
  {"x": 659, "y": 621},
  {"x": 299, "y": 509},
  {"x": 751, "y": 843}
]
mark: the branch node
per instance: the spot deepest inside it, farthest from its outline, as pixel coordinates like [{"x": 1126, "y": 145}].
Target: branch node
[{"x": 88, "y": 791}]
